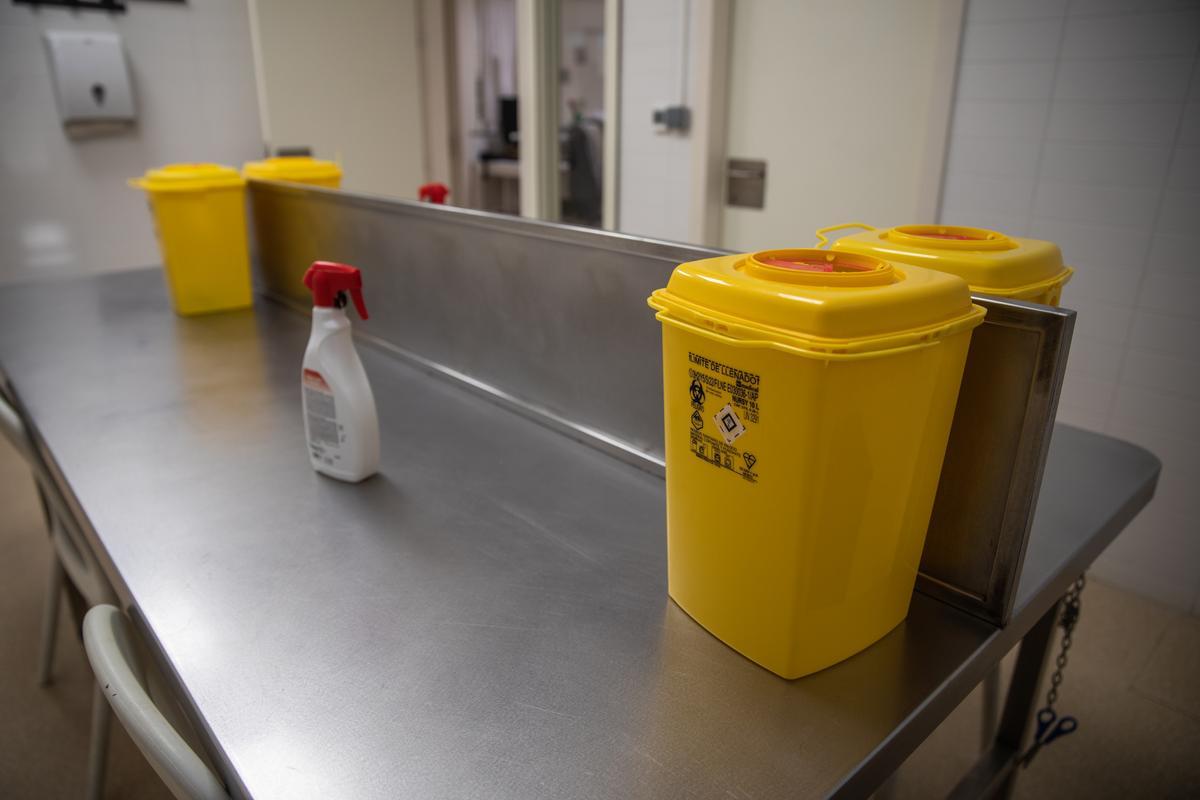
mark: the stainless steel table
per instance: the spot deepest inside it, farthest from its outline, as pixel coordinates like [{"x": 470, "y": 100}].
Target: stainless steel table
[{"x": 487, "y": 617}]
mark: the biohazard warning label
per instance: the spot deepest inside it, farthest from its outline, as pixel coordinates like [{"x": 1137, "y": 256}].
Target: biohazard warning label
[{"x": 725, "y": 411}]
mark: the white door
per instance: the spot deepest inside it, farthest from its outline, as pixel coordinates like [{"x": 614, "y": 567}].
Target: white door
[{"x": 848, "y": 103}]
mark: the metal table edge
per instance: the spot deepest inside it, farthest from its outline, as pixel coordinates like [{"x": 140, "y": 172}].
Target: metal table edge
[{"x": 891, "y": 753}]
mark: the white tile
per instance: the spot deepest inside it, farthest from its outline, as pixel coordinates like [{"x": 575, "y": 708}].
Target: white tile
[
  {"x": 1140, "y": 80},
  {"x": 1173, "y": 252},
  {"x": 1180, "y": 464},
  {"x": 1114, "y": 123},
  {"x": 1116, "y": 206},
  {"x": 1105, "y": 164},
  {"x": 1180, "y": 211},
  {"x": 1097, "y": 284},
  {"x": 64, "y": 205},
  {"x": 1110, "y": 323},
  {"x": 1166, "y": 334},
  {"x": 1172, "y": 292},
  {"x": 1095, "y": 246},
  {"x": 1185, "y": 169},
  {"x": 1189, "y": 128},
  {"x": 1086, "y": 396},
  {"x": 1007, "y": 80},
  {"x": 1009, "y": 224},
  {"x": 998, "y": 119},
  {"x": 985, "y": 195},
  {"x": 1173, "y": 414},
  {"x": 1172, "y": 33},
  {"x": 1162, "y": 373},
  {"x": 1081, "y": 417},
  {"x": 1033, "y": 40},
  {"x": 1155, "y": 556},
  {"x": 1095, "y": 359},
  {"x": 992, "y": 10},
  {"x": 13, "y": 16},
  {"x": 994, "y": 156}
]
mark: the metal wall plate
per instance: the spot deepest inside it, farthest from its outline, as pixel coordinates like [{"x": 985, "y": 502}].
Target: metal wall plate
[
  {"x": 746, "y": 182},
  {"x": 552, "y": 321},
  {"x": 994, "y": 459}
]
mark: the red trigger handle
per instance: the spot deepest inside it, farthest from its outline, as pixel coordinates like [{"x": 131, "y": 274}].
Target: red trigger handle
[{"x": 326, "y": 279}]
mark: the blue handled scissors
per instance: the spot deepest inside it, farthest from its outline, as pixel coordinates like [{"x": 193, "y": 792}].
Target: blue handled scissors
[{"x": 1049, "y": 727}]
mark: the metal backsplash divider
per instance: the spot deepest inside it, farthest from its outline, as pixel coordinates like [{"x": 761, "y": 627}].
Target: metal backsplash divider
[{"x": 551, "y": 321}]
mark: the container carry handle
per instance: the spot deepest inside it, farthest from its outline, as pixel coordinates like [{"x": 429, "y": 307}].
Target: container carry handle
[{"x": 823, "y": 241}]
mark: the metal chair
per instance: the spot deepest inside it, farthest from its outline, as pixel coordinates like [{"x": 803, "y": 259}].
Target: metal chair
[
  {"x": 74, "y": 561},
  {"x": 110, "y": 646}
]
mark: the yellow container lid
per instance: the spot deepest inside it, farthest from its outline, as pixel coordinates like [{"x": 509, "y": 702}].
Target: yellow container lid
[
  {"x": 292, "y": 168},
  {"x": 819, "y": 302},
  {"x": 188, "y": 178},
  {"x": 991, "y": 262}
]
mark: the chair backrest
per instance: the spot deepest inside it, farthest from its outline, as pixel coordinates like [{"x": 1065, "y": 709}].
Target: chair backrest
[
  {"x": 74, "y": 553},
  {"x": 111, "y": 650},
  {"x": 13, "y": 428}
]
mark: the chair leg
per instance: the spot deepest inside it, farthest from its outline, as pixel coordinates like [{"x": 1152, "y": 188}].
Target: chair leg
[
  {"x": 54, "y": 594},
  {"x": 98, "y": 755}
]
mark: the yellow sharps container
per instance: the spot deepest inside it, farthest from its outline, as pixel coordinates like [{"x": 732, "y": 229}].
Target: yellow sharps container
[
  {"x": 296, "y": 169},
  {"x": 808, "y": 399},
  {"x": 200, "y": 216},
  {"x": 992, "y": 263}
]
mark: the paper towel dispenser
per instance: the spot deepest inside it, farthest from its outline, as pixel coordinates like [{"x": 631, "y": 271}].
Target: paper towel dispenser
[{"x": 91, "y": 77}]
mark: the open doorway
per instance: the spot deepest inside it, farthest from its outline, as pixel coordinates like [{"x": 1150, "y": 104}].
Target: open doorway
[
  {"x": 581, "y": 109},
  {"x": 489, "y": 162},
  {"x": 485, "y": 45}
]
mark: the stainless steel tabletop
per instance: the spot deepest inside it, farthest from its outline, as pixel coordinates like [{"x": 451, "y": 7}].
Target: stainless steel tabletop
[{"x": 488, "y": 616}]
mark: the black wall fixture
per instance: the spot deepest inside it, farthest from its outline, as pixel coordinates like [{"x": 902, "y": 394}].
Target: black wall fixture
[{"x": 80, "y": 5}]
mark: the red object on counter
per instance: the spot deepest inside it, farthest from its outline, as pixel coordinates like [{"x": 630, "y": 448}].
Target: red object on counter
[{"x": 434, "y": 193}]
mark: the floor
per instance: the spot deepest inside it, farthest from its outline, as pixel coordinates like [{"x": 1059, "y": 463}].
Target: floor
[{"x": 1133, "y": 681}]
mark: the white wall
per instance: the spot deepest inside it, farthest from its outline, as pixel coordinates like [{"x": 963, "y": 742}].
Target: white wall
[
  {"x": 848, "y": 103},
  {"x": 1080, "y": 123},
  {"x": 654, "y": 181},
  {"x": 344, "y": 79},
  {"x": 64, "y": 205}
]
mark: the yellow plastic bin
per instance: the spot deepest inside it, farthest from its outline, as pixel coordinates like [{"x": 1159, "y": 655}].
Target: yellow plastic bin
[
  {"x": 200, "y": 216},
  {"x": 296, "y": 169},
  {"x": 992, "y": 263},
  {"x": 808, "y": 399}
]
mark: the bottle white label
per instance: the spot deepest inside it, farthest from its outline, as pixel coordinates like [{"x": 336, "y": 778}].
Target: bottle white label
[{"x": 321, "y": 415}]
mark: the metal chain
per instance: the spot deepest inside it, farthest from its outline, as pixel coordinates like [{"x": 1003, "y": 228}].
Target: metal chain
[
  {"x": 1049, "y": 725},
  {"x": 1070, "y": 615}
]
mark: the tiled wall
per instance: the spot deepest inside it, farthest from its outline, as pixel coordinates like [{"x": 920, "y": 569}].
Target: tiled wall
[
  {"x": 64, "y": 205},
  {"x": 1078, "y": 121}
]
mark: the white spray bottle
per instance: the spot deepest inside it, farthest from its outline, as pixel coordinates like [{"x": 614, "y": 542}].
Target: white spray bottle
[{"x": 339, "y": 409}]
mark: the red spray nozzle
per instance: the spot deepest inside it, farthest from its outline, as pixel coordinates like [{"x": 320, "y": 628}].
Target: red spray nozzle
[
  {"x": 326, "y": 279},
  {"x": 433, "y": 193}
]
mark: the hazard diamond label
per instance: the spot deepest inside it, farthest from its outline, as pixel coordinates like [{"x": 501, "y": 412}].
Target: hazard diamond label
[{"x": 729, "y": 424}]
